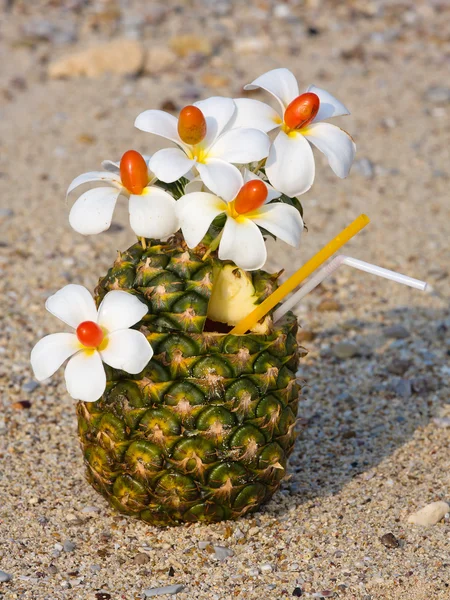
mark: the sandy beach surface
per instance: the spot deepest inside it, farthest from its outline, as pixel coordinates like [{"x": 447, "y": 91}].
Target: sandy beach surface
[{"x": 375, "y": 413}]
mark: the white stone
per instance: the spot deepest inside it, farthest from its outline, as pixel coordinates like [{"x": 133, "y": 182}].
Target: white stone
[
  {"x": 266, "y": 568},
  {"x": 222, "y": 553},
  {"x": 430, "y": 514},
  {"x": 160, "y": 591}
]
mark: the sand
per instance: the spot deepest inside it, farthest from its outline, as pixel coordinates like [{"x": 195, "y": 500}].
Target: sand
[{"x": 374, "y": 443}]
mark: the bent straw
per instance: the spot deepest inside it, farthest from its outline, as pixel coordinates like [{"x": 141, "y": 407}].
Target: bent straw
[
  {"x": 290, "y": 284},
  {"x": 335, "y": 264}
]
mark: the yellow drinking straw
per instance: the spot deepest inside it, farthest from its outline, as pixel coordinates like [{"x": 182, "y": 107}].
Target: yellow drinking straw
[{"x": 288, "y": 286}]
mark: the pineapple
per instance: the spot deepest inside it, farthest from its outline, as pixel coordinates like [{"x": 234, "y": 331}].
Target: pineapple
[{"x": 204, "y": 432}]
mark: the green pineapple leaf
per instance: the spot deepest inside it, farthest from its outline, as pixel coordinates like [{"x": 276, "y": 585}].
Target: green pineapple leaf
[{"x": 176, "y": 189}]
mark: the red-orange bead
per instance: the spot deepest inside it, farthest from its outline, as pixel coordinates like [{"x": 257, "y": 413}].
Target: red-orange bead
[
  {"x": 191, "y": 125},
  {"x": 133, "y": 172},
  {"x": 301, "y": 111},
  {"x": 90, "y": 334},
  {"x": 251, "y": 196}
]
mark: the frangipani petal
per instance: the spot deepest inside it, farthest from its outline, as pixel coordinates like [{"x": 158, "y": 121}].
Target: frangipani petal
[
  {"x": 111, "y": 166},
  {"x": 105, "y": 177},
  {"x": 282, "y": 220},
  {"x": 281, "y": 83},
  {"x": 72, "y": 304},
  {"x": 170, "y": 164},
  {"x": 335, "y": 143},
  {"x": 159, "y": 123},
  {"x": 85, "y": 376},
  {"x": 128, "y": 350},
  {"x": 92, "y": 212},
  {"x": 255, "y": 114},
  {"x": 120, "y": 310},
  {"x": 272, "y": 193},
  {"x": 153, "y": 214},
  {"x": 196, "y": 212},
  {"x": 329, "y": 105},
  {"x": 218, "y": 112},
  {"x": 50, "y": 353},
  {"x": 221, "y": 178},
  {"x": 195, "y": 185},
  {"x": 290, "y": 165},
  {"x": 243, "y": 243},
  {"x": 241, "y": 146}
]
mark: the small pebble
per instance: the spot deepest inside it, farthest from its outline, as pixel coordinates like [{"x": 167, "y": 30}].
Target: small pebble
[
  {"x": 305, "y": 336},
  {"x": 397, "y": 332},
  {"x": 438, "y": 95},
  {"x": 430, "y": 514},
  {"x": 141, "y": 558},
  {"x": 21, "y": 405},
  {"x": 389, "y": 540},
  {"x": 402, "y": 388},
  {"x": 222, "y": 553},
  {"x": 52, "y": 569},
  {"x": 4, "y": 577},
  {"x": 298, "y": 592},
  {"x": 399, "y": 366},
  {"x": 266, "y": 568},
  {"x": 328, "y": 305},
  {"x": 94, "y": 510},
  {"x": 69, "y": 546},
  {"x": 345, "y": 350},
  {"x": 202, "y": 545},
  {"x": 160, "y": 591},
  {"x": 30, "y": 386}
]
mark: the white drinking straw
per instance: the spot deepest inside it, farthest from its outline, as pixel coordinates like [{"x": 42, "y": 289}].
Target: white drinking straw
[{"x": 328, "y": 269}]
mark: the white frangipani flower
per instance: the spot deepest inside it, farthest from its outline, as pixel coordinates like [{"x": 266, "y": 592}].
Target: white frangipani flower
[
  {"x": 246, "y": 206},
  {"x": 290, "y": 165},
  {"x": 152, "y": 210},
  {"x": 205, "y": 143},
  {"x": 100, "y": 335}
]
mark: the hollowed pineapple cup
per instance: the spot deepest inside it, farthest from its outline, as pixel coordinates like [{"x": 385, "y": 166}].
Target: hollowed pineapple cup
[{"x": 204, "y": 432}]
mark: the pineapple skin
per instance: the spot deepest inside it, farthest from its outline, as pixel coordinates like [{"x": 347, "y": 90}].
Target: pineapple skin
[{"x": 205, "y": 431}]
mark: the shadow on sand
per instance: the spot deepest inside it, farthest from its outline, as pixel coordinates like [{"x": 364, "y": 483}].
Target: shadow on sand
[{"x": 356, "y": 412}]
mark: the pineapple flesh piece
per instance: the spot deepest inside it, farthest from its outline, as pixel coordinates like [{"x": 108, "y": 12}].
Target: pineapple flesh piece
[
  {"x": 236, "y": 293},
  {"x": 204, "y": 432}
]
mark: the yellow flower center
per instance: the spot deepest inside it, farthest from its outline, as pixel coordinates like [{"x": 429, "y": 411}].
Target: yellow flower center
[{"x": 198, "y": 153}]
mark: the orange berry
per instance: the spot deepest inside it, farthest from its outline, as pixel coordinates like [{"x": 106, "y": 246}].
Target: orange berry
[
  {"x": 251, "y": 196},
  {"x": 302, "y": 110},
  {"x": 90, "y": 334},
  {"x": 133, "y": 172},
  {"x": 191, "y": 125}
]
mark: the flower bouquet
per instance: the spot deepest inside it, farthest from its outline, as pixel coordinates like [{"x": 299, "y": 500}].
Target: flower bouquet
[{"x": 180, "y": 417}]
